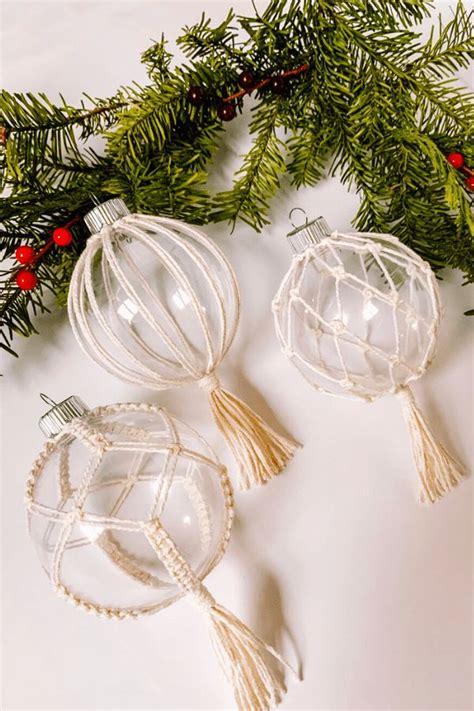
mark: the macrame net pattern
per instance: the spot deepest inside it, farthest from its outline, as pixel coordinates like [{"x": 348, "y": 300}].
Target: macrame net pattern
[
  {"x": 358, "y": 315},
  {"x": 156, "y": 303},
  {"x": 67, "y": 521}
]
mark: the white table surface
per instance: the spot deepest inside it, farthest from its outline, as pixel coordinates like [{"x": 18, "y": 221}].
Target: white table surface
[{"x": 335, "y": 561}]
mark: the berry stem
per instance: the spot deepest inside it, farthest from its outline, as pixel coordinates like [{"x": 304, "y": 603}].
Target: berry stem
[
  {"x": 467, "y": 171},
  {"x": 45, "y": 248},
  {"x": 261, "y": 84}
]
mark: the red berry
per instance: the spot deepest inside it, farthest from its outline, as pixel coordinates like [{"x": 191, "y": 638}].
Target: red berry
[
  {"x": 456, "y": 160},
  {"x": 62, "y": 236},
  {"x": 26, "y": 280},
  {"x": 470, "y": 183},
  {"x": 226, "y": 111},
  {"x": 195, "y": 95},
  {"x": 25, "y": 254},
  {"x": 278, "y": 85},
  {"x": 247, "y": 79}
]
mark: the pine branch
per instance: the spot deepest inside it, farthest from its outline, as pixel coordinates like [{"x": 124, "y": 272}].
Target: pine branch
[
  {"x": 448, "y": 49},
  {"x": 376, "y": 105},
  {"x": 259, "y": 178}
]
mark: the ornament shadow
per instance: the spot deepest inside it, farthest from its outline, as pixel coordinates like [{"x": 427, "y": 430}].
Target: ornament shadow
[{"x": 268, "y": 620}]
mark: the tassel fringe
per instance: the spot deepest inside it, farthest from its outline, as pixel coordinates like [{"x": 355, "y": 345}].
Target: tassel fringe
[
  {"x": 438, "y": 471},
  {"x": 259, "y": 451},
  {"x": 241, "y": 655}
]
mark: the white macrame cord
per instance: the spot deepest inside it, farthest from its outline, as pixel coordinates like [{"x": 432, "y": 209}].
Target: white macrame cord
[
  {"x": 242, "y": 655},
  {"x": 438, "y": 471},
  {"x": 259, "y": 451}
]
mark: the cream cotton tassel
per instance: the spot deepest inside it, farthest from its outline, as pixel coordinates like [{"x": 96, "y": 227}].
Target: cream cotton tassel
[
  {"x": 240, "y": 652},
  {"x": 259, "y": 451},
  {"x": 242, "y": 656},
  {"x": 438, "y": 471}
]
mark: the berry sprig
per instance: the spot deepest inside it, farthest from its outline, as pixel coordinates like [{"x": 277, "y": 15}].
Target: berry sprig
[
  {"x": 456, "y": 159},
  {"x": 248, "y": 82},
  {"x": 26, "y": 279}
]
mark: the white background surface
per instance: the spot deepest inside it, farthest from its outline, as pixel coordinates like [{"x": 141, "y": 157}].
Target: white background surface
[{"x": 336, "y": 554}]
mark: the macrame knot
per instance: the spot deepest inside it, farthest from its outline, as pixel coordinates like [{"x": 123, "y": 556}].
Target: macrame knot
[
  {"x": 339, "y": 272},
  {"x": 201, "y": 597},
  {"x": 153, "y": 528},
  {"x": 338, "y": 326},
  {"x": 72, "y": 516},
  {"x": 406, "y": 396},
  {"x": 210, "y": 382},
  {"x": 91, "y": 438},
  {"x": 175, "y": 450}
]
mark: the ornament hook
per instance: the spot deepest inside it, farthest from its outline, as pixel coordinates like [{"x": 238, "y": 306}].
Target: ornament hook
[
  {"x": 298, "y": 209},
  {"x": 48, "y": 400},
  {"x": 94, "y": 199}
]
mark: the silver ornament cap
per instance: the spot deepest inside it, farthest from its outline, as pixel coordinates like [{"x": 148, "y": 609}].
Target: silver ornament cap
[
  {"x": 54, "y": 420},
  {"x": 104, "y": 214},
  {"x": 308, "y": 233}
]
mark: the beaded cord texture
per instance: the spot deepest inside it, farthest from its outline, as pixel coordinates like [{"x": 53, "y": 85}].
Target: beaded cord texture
[
  {"x": 132, "y": 439},
  {"x": 242, "y": 655}
]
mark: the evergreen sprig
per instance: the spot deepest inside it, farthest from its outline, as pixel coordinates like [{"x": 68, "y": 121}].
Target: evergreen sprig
[{"x": 378, "y": 106}]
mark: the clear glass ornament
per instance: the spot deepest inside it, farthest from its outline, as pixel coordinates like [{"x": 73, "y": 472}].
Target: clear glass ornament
[
  {"x": 129, "y": 511},
  {"x": 156, "y": 303},
  {"x": 90, "y": 537},
  {"x": 357, "y": 314}
]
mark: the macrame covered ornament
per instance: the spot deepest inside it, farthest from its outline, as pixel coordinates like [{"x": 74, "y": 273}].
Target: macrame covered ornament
[
  {"x": 156, "y": 303},
  {"x": 130, "y": 510},
  {"x": 358, "y": 314}
]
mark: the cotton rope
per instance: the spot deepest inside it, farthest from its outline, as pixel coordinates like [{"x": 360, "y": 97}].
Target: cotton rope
[
  {"x": 242, "y": 655},
  {"x": 438, "y": 471},
  {"x": 258, "y": 450}
]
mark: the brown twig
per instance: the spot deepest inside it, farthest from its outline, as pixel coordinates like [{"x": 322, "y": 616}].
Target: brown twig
[
  {"x": 264, "y": 82},
  {"x": 466, "y": 170}
]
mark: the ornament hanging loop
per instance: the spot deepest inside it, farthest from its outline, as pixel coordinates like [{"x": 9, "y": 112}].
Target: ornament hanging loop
[
  {"x": 48, "y": 400},
  {"x": 301, "y": 224}
]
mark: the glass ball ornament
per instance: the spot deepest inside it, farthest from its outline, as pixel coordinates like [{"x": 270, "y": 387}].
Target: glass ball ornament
[
  {"x": 100, "y": 480},
  {"x": 152, "y": 299},
  {"x": 358, "y": 315},
  {"x": 156, "y": 303},
  {"x": 129, "y": 510}
]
